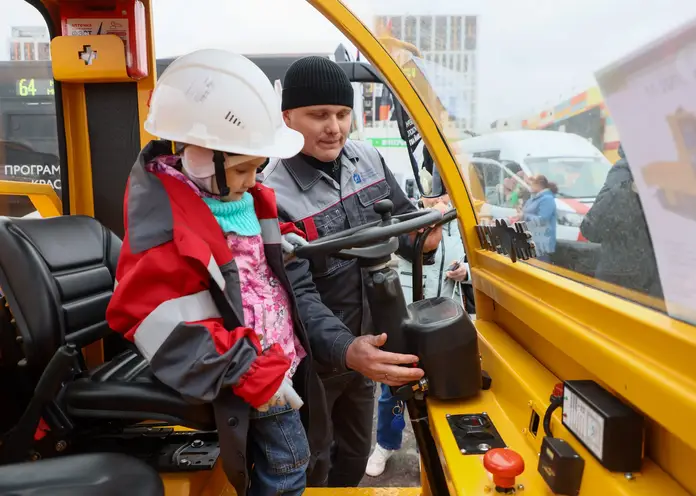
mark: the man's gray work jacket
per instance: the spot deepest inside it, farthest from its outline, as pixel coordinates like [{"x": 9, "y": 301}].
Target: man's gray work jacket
[{"x": 320, "y": 206}]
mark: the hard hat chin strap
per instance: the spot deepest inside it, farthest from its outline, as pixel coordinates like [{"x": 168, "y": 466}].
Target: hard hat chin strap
[{"x": 220, "y": 176}]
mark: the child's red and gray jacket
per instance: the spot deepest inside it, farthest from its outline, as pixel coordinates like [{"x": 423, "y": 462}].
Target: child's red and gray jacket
[{"x": 178, "y": 298}]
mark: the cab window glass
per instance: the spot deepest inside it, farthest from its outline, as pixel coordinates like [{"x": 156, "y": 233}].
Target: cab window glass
[
  {"x": 499, "y": 185},
  {"x": 565, "y": 112},
  {"x": 382, "y": 131},
  {"x": 28, "y": 126},
  {"x": 448, "y": 275},
  {"x": 610, "y": 216}
]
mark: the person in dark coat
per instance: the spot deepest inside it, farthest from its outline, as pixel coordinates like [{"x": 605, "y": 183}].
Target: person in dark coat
[{"x": 617, "y": 222}]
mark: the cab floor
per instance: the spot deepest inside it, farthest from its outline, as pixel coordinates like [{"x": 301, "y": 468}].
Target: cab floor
[{"x": 402, "y": 468}]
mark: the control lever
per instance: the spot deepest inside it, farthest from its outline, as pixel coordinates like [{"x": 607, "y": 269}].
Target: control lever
[
  {"x": 384, "y": 208},
  {"x": 408, "y": 391}
]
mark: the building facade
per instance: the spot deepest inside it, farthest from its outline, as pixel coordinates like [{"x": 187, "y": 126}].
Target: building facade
[
  {"x": 29, "y": 43},
  {"x": 447, "y": 40}
]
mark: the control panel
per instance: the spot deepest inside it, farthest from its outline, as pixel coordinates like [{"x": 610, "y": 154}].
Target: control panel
[{"x": 611, "y": 430}]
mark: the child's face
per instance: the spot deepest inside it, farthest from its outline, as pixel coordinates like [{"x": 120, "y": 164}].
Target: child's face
[{"x": 240, "y": 179}]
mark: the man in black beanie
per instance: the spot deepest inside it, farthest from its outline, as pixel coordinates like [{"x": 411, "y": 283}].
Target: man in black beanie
[{"x": 332, "y": 185}]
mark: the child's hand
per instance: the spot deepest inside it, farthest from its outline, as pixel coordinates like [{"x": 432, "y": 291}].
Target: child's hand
[
  {"x": 289, "y": 242},
  {"x": 286, "y": 394}
]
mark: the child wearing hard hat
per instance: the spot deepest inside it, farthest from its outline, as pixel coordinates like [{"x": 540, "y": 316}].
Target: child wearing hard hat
[{"x": 202, "y": 287}]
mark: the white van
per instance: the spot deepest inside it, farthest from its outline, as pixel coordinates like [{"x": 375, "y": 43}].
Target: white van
[{"x": 577, "y": 167}]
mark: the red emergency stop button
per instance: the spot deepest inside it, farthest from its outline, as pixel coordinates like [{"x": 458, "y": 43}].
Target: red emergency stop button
[
  {"x": 504, "y": 464},
  {"x": 558, "y": 390}
]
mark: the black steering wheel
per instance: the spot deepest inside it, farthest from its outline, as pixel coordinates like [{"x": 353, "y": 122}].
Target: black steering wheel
[{"x": 374, "y": 240}]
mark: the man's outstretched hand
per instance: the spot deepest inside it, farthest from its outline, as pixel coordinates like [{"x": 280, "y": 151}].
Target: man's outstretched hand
[{"x": 364, "y": 356}]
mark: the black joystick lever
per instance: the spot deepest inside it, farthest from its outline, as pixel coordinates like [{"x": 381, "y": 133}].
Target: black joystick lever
[
  {"x": 385, "y": 209},
  {"x": 408, "y": 391}
]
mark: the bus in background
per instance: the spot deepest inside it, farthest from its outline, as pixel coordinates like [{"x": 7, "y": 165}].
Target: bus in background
[
  {"x": 28, "y": 136},
  {"x": 578, "y": 168},
  {"x": 584, "y": 114}
]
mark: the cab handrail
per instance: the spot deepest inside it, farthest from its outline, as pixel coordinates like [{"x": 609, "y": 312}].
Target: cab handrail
[{"x": 42, "y": 196}]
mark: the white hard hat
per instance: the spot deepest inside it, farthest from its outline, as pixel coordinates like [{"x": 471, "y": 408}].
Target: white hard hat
[{"x": 222, "y": 101}]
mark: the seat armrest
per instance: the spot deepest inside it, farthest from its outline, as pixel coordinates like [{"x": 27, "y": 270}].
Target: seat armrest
[{"x": 85, "y": 337}]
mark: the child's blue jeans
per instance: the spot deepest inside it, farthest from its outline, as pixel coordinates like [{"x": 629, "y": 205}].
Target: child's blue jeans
[
  {"x": 387, "y": 437},
  {"x": 279, "y": 451}
]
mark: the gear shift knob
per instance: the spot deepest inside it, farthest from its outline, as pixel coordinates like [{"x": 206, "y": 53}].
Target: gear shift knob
[{"x": 385, "y": 209}]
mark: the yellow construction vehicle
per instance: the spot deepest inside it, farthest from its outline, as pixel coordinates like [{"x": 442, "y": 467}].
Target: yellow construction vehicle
[{"x": 563, "y": 384}]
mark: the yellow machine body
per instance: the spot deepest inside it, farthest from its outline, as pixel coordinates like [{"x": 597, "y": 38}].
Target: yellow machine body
[{"x": 537, "y": 325}]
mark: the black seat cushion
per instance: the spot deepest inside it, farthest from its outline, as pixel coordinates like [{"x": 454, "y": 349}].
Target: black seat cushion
[
  {"x": 125, "y": 388},
  {"x": 58, "y": 277},
  {"x": 99, "y": 474}
]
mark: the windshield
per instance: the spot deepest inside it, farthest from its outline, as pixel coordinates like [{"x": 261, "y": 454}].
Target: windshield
[
  {"x": 574, "y": 177},
  {"x": 600, "y": 126},
  {"x": 446, "y": 85},
  {"x": 493, "y": 73}
]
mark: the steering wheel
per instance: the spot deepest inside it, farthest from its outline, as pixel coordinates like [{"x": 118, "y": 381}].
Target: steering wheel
[{"x": 374, "y": 240}]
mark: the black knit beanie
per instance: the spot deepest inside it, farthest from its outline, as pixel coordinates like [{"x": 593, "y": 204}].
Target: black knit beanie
[{"x": 316, "y": 81}]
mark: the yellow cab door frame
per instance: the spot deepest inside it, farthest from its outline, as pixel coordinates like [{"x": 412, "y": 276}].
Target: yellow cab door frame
[{"x": 535, "y": 327}]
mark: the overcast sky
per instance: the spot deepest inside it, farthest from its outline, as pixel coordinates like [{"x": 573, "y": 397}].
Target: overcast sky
[{"x": 531, "y": 52}]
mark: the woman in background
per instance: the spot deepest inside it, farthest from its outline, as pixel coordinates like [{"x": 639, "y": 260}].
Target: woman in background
[{"x": 539, "y": 212}]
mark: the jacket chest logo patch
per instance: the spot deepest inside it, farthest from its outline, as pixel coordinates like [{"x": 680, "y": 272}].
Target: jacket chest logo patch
[{"x": 366, "y": 174}]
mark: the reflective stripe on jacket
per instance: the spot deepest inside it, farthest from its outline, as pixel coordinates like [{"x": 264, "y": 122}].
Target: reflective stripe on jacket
[{"x": 178, "y": 299}]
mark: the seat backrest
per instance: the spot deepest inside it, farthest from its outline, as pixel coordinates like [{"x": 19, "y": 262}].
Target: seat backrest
[{"x": 58, "y": 276}]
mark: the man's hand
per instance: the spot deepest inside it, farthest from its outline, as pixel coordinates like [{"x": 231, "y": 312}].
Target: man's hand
[
  {"x": 435, "y": 235},
  {"x": 459, "y": 274},
  {"x": 433, "y": 240},
  {"x": 364, "y": 356}
]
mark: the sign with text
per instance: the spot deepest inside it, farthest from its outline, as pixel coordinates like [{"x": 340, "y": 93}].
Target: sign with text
[
  {"x": 651, "y": 97},
  {"x": 20, "y": 163}
]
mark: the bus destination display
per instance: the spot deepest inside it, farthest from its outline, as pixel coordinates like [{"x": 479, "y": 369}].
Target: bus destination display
[{"x": 34, "y": 87}]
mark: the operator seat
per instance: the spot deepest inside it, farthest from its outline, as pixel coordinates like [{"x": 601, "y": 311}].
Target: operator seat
[
  {"x": 99, "y": 474},
  {"x": 58, "y": 275}
]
